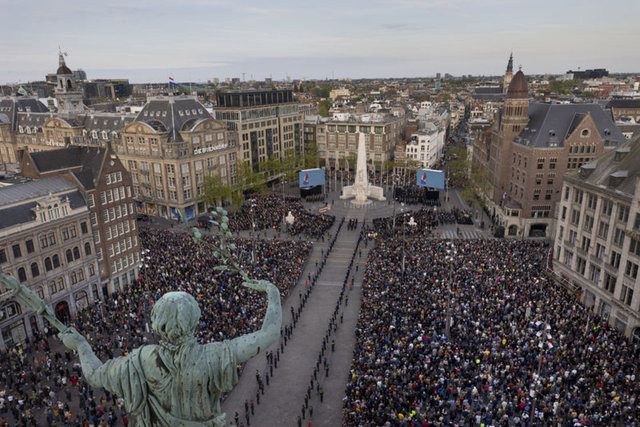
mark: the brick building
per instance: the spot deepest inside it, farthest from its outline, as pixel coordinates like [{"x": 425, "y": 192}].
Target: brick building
[
  {"x": 528, "y": 149},
  {"x": 107, "y": 188}
]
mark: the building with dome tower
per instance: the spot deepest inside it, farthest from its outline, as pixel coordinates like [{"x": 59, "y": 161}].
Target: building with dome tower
[
  {"x": 68, "y": 94},
  {"x": 528, "y": 149}
]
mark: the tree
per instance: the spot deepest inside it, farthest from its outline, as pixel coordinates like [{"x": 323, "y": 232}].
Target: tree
[
  {"x": 215, "y": 191},
  {"x": 458, "y": 167},
  {"x": 311, "y": 158},
  {"x": 248, "y": 180},
  {"x": 324, "y": 106}
]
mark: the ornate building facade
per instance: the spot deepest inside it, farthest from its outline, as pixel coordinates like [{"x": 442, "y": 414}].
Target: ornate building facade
[{"x": 46, "y": 242}]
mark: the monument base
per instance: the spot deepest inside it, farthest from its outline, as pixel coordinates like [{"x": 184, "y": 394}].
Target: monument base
[
  {"x": 360, "y": 203},
  {"x": 362, "y": 195}
]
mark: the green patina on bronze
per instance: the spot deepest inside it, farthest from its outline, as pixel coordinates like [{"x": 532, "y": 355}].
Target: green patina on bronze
[{"x": 177, "y": 382}]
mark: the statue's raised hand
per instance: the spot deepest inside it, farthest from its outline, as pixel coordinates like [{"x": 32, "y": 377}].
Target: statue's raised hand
[{"x": 72, "y": 338}]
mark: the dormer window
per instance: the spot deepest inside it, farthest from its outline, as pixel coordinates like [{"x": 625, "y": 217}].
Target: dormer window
[
  {"x": 104, "y": 134},
  {"x": 94, "y": 134},
  {"x": 584, "y": 133}
]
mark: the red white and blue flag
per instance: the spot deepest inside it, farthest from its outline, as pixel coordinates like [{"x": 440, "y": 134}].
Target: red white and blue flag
[{"x": 171, "y": 82}]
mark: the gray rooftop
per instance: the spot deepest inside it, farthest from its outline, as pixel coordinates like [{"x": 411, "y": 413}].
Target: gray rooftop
[
  {"x": 616, "y": 170},
  {"x": 30, "y": 190},
  {"x": 172, "y": 114},
  {"x": 550, "y": 124}
]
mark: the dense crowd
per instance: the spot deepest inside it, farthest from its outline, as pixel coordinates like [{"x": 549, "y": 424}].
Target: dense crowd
[
  {"x": 260, "y": 212},
  {"x": 424, "y": 220},
  {"x": 519, "y": 350},
  {"x": 412, "y": 194},
  {"x": 41, "y": 382}
]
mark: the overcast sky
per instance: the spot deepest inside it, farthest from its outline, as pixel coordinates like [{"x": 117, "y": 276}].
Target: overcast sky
[{"x": 197, "y": 40}]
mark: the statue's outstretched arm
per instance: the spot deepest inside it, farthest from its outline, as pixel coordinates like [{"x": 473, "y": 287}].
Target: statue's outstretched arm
[
  {"x": 90, "y": 363},
  {"x": 249, "y": 345}
]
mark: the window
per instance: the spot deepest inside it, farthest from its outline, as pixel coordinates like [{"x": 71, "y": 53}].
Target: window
[
  {"x": 614, "y": 261},
  {"x": 84, "y": 228},
  {"x": 29, "y": 245},
  {"x": 626, "y": 295},
  {"x": 609, "y": 282},
  {"x": 3, "y": 256},
  {"x": 564, "y": 213},
  {"x": 588, "y": 223},
  {"x": 607, "y": 207},
  {"x": 69, "y": 255},
  {"x": 600, "y": 250},
  {"x": 567, "y": 191},
  {"x": 631, "y": 269},
  {"x": 76, "y": 253},
  {"x": 577, "y": 196},
  {"x": 17, "y": 253},
  {"x": 636, "y": 222},
  {"x": 623, "y": 213},
  {"x": 35, "y": 271},
  {"x": 87, "y": 248},
  {"x": 47, "y": 264},
  {"x": 592, "y": 200},
  {"x": 586, "y": 243},
  {"x": 22, "y": 275},
  {"x": 634, "y": 247},
  {"x": 581, "y": 265},
  {"x": 575, "y": 216},
  {"x": 603, "y": 230},
  {"x": 618, "y": 237},
  {"x": 56, "y": 261}
]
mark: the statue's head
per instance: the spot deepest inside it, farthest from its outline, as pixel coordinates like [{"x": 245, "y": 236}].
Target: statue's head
[{"x": 174, "y": 317}]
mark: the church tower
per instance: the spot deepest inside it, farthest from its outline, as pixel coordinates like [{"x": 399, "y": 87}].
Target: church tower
[
  {"x": 514, "y": 118},
  {"x": 515, "y": 115},
  {"x": 508, "y": 74},
  {"x": 68, "y": 94}
]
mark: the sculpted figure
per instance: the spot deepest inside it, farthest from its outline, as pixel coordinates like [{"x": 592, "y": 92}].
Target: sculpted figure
[{"x": 178, "y": 382}]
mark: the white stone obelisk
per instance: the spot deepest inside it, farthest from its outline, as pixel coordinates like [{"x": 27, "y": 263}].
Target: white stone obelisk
[{"x": 361, "y": 191}]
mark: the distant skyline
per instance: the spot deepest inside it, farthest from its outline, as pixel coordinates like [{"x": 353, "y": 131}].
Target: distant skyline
[{"x": 198, "y": 40}]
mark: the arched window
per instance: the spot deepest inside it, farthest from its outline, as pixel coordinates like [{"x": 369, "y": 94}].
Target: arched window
[
  {"x": 87, "y": 248},
  {"x": 56, "y": 261},
  {"x": 35, "y": 271},
  {"x": 47, "y": 264},
  {"x": 68, "y": 84},
  {"x": 76, "y": 253},
  {"x": 22, "y": 275},
  {"x": 69, "y": 255}
]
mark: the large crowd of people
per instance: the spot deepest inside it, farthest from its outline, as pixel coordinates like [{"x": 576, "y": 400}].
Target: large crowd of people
[
  {"x": 474, "y": 333},
  {"x": 41, "y": 382},
  {"x": 260, "y": 212}
]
